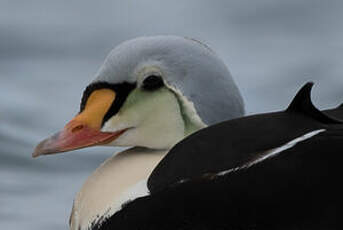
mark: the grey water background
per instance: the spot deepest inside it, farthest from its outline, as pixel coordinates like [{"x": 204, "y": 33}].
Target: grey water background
[{"x": 50, "y": 50}]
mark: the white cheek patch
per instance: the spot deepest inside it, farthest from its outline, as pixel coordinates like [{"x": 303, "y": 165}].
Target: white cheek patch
[
  {"x": 115, "y": 123},
  {"x": 166, "y": 109},
  {"x": 274, "y": 152}
]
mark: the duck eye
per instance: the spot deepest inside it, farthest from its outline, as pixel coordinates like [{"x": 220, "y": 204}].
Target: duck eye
[{"x": 152, "y": 82}]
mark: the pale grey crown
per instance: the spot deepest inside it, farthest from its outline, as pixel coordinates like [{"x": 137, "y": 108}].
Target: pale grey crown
[{"x": 188, "y": 65}]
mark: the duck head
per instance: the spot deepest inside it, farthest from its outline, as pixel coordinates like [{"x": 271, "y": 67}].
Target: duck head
[{"x": 150, "y": 92}]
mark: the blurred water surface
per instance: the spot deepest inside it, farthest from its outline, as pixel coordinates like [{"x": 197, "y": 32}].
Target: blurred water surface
[{"x": 49, "y": 51}]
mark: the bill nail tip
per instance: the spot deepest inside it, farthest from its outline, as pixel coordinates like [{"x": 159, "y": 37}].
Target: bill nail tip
[{"x": 36, "y": 154}]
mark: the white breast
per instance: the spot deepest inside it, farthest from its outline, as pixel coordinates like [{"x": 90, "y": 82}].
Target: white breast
[{"x": 119, "y": 179}]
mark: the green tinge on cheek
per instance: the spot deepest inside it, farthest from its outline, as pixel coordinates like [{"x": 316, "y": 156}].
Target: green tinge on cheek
[
  {"x": 143, "y": 103},
  {"x": 140, "y": 104}
]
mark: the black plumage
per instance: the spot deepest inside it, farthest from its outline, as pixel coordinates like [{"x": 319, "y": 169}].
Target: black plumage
[
  {"x": 297, "y": 188},
  {"x": 337, "y": 112},
  {"x": 232, "y": 143}
]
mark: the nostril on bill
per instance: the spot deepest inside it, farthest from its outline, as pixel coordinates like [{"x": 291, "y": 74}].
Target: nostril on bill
[{"x": 77, "y": 128}]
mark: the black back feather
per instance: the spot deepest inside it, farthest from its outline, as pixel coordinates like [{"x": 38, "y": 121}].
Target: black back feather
[{"x": 302, "y": 103}]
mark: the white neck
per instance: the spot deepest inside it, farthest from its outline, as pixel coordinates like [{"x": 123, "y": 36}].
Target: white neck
[{"x": 112, "y": 184}]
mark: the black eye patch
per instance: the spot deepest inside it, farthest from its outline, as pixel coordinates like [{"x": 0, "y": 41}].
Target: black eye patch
[
  {"x": 122, "y": 90},
  {"x": 152, "y": 82}
]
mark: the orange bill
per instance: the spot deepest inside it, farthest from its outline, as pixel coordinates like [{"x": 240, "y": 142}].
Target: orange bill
[{"x": 84, "y": 130}]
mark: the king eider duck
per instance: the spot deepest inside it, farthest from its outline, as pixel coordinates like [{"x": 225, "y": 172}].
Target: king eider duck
[
  {"x": 149, "y": 94},
  {"x": 272, "y": 171}
]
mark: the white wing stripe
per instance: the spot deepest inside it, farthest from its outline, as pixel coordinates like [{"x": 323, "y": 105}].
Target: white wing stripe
[{"x": 273, "y": 152}]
